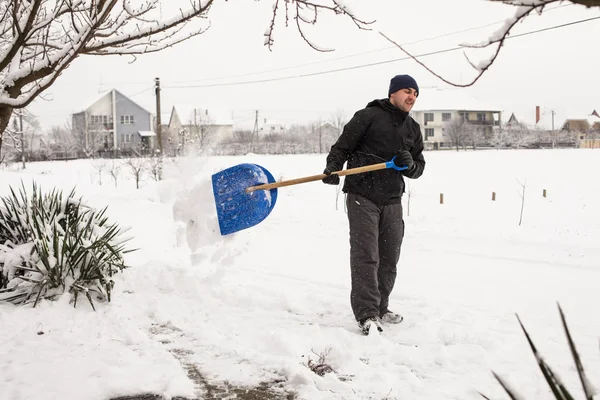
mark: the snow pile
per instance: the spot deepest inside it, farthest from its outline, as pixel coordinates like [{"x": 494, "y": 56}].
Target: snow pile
[{"x": 252, "y": 308}]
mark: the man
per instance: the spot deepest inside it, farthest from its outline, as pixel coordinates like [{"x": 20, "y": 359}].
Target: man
[{"x": 375, "y": 134}]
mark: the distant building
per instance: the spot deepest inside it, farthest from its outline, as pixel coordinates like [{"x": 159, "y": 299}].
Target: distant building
[
  {"x": 434, "y": 109},
  {"x": 115, "y": 124},
  {"x": 193, "y": 129},
  {"x": 513, "y": 122},
  {"x": 323, "y": 136},
  {"x": 586, "y": 127},
  {"x": 270, "y": 127}
]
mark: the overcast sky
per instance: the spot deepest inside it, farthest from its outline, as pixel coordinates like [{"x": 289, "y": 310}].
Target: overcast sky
[{"x": 556, "y": 69}]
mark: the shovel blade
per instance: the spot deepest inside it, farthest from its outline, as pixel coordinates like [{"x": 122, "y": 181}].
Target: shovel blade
[{"x": 236, "y": 209}]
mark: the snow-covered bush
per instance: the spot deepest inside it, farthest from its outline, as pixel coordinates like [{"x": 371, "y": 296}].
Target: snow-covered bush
[{"x": 51, "y": 244}]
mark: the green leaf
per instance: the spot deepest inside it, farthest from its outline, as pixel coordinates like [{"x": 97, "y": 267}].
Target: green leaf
[
  {"x": 589, "y": 393},
  {"x": 558, "y": 389}
]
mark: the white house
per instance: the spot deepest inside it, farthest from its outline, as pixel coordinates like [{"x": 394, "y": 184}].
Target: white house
[
  {"x": 435, "y": 108},
  {"x": 114, "y": 123}
]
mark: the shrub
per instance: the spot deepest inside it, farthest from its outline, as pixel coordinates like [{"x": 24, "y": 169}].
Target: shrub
[{"x": 52, "y": 244}]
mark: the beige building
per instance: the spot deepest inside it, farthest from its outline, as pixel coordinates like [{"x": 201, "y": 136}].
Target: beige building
[
  {"x": 587, "y": 129},
  {"x": 435, "y": 109}
]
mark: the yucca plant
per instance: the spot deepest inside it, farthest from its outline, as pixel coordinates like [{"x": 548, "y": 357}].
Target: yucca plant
[
  {"x": 556, "y": 385},
  {"x": 51, "y": 244}
]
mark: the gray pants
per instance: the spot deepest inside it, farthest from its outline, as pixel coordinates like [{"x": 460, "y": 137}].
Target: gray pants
[{"x": 376, "y": 234}]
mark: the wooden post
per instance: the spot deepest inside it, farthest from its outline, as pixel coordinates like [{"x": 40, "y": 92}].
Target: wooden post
[
  {"x": 544, "y": 192},
  {"x": 441, "y": 198},
  {"x": 493, "y": 196}
]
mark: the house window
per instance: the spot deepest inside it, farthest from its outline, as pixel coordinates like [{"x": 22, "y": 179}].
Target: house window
[
  {"x": 429, "y": 132},
  {"x": 481, "y": 117},
  {"x": 428, "y": 117},
  {"x": 127, "y": 119},
  {"x": 464, "y": 116},
  {"x": 98, "y": 119},
  {"x": 446, "y": 116}
]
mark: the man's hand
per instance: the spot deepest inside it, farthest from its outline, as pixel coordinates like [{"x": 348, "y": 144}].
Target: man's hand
[
  {"x": 404, "y": 159},
  {"x": 331, "y": 179}
]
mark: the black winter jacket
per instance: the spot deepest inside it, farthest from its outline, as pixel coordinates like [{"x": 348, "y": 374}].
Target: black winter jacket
[{"x": 374, "y": 135}]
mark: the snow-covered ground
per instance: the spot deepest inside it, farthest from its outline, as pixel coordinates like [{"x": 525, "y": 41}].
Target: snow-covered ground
[{"x": 254, "y": 306}]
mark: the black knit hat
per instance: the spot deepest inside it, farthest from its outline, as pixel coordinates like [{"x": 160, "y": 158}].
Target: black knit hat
[{"x": 402, "y": 82}]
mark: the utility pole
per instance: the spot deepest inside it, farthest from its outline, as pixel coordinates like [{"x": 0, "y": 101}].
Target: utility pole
[
  {"x": 254, "y": 131},
  {"x": 553, "y": 134},
  {"x": 22, "y": 137},
  {"x": 320, "y": 138},
  {"x": 158, "y": 122}
]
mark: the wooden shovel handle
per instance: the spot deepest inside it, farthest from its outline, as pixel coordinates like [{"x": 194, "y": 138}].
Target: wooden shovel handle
[{"x": 312, "y": 178}]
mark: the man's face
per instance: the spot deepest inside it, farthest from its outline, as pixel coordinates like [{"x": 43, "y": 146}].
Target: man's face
[{"x": 404, "y": 99}]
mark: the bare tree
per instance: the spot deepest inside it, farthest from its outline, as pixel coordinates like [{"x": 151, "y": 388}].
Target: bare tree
[
  {"x": 455, "y": 129},
  {"x": 13, "y": 142},
  {"x": 137, "y": 169},
  {"x": 410, "y": 193},
  {"x": 298, "y": 133},
  {"x": 41, "y": 38},
  {"x": 559, "y": 137},
  {"x": 474, "y": 135},
  {"x": 63, "y": 140},
  {"x": 592, "y": 135},
  {"x": 243, "y": 136},
  {"x": 155, "y": 165},
  {"x": 18, "y": 134},
  {"x": 199, "y": 132},
  {"x": 520, "y": 136},
  {"x": 100, "y": 165},
  {"x": 114, "y": 171},
  {"x": 338, "y": 120},
  {"x": 318, "y": 129},
  {"x": 499, "y": 139},
  {"x": 522, "y": 196},
  {"x": 31, "y": 131}
]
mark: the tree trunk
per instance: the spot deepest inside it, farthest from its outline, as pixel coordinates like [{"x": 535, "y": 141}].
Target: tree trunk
[{"x": 5, "y": 113}]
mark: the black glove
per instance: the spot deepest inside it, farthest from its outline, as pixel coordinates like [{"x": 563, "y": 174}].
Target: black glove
[
  {"x": 331, "y": 179},
  {"x": 404, "y": 159}
]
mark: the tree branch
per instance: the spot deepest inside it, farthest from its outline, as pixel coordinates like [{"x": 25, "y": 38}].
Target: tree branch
[
  {"x": 336, "y": 7},
  {"x": 497, "y": 38}
]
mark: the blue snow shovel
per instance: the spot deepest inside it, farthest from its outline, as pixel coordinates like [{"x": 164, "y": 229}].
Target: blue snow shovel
[{"x": 246, "y": 193}]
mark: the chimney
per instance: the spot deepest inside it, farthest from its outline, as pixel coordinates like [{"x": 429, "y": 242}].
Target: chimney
[{"x": 537, "y": 114}]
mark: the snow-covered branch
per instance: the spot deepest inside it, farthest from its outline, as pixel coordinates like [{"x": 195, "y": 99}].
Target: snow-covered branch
[
  {"x": 47, "y": 35},
  {"x": 40, "y": 38},
  {"x": 587, "y": 3},
  {"x": 306, "y": 12},
  {"x": 524, "y": 9}
]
